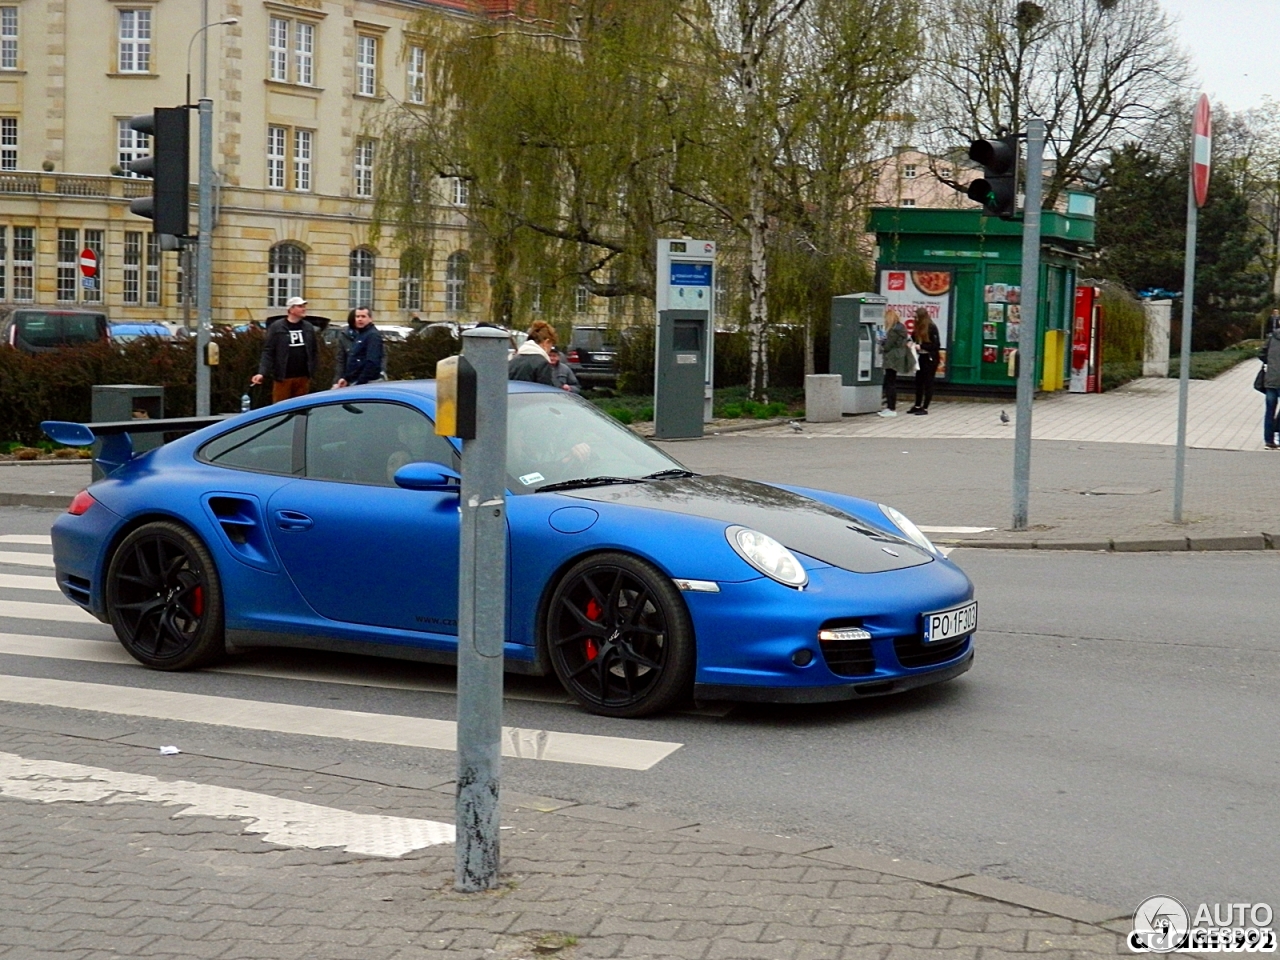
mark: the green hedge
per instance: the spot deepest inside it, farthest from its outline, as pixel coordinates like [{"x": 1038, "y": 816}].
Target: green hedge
[{"x": 58, "y": 385}]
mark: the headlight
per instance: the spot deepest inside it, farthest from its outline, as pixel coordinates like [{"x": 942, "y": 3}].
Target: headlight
[
  {"x": 909, "y": 529},
  {"x": 768, "y": 556}
]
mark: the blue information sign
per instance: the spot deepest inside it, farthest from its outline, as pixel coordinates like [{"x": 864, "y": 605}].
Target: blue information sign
[{"x": 690, "y": 274}]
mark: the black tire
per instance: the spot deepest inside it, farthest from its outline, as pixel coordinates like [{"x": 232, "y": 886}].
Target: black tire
[
  {"x": 619, "y": 637},
  {"x": 164, "y": 598}
]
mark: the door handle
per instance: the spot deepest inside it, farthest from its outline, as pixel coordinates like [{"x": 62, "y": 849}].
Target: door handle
[{"x": 292, "y": 520}]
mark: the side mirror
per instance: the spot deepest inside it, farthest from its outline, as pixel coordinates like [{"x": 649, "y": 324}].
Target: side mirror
[{"x": 428, "y": 476}]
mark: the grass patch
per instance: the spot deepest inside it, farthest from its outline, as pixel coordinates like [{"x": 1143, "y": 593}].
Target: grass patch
[
  {"x": 730, "y": 403},
  {"x": 1211, "y": 363}
]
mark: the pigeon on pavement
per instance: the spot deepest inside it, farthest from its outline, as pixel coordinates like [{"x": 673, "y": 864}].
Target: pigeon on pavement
[
  {"x": 794, "y": 425},
  {"x": 1004, "y": 417}
]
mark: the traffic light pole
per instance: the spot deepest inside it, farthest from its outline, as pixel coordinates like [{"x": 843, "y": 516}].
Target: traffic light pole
[
  {"x": 204, "y": 259},
  {"x": 1030, "y": 300}
]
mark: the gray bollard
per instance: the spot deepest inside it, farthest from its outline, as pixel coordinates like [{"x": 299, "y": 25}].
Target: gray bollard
[{"x": 822, "y": 397}]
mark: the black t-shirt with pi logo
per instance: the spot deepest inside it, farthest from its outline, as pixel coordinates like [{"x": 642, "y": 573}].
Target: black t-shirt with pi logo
[{"x": 296, "y": 363}]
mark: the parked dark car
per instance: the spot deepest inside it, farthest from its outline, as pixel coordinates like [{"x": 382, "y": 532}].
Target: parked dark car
[
  {"x": 41, "y": 329},
  {"x": 592, "y": 354}
]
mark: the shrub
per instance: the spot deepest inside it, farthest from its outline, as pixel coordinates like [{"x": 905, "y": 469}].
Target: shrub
[{"x": 621, "y": 414}]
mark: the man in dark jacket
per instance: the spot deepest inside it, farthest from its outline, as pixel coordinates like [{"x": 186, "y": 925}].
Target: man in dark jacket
[
  {"x": 1270, "y": 355},
  {"x": 288, "y": 353},
  {"x": 562, "y": 374},
  {"x": 364, "y": 356}
]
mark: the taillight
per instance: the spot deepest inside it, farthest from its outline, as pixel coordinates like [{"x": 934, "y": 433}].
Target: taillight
[
  {"x": 80, "y": 503},
  {"x": 572, "y": 356}
]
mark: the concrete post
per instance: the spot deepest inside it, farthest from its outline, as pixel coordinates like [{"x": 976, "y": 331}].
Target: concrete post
[
  {"x": 1030, "y": 319},
  {"x": 823, "y": 399},
  {"x": 204, "y": 259}
]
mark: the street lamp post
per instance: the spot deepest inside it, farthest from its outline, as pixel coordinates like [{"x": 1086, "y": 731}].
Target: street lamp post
[{"x": 204, "y": 232}]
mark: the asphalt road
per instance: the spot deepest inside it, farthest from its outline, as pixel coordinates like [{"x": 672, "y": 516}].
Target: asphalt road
[{"x": 1115, "y": 739}]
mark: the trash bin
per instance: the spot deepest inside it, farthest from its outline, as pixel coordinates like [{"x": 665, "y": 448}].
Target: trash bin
[{"x": 114, "y": 402}]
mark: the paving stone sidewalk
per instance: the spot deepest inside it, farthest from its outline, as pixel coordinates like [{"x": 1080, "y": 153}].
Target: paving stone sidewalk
[{"x": 102, "y": 879}]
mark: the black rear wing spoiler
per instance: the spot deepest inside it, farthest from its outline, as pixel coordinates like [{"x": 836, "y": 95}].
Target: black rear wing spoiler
[{"x": 117, "y": 445}]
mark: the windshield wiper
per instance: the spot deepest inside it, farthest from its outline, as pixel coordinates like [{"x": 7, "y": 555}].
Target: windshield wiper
[
  {"x": 584, "y": 482},
  {"x": 676, "y": 473}
]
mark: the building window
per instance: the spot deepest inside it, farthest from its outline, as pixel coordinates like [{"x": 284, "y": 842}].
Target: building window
[
  {"x": 278, "y": 159},
  {"x": 4, "y": 260},
  {"x": 945, "y": 173},
  {"x": 133, "y": 266},
  {"x": 304, "y": 53},
  {"x": 24, "y": 264},
  {"x": 360, "y": 278},
  {"x": 367, "y": 66},
  {"x": 134, "y": 41},
  {"x": 93, "y": 240},
  {"x": 68, "y": 255},
  {"x": 302, "y": 160},
  {"x": 8, "y": 38},
  {"x": 410, "y": 281},
  {"x": 153, "y": 270},
  {"x": 278, "y": 49},
  {"x": 459, "y": 191},
  {"x": 131, "y": 145},
  {"x": 908, "y": 171},
  {"x": 277, "y": 137},
  {"x": 8, "y": 143},
  {"x": 285, "y": 266},
  {"x": 416, "y": 81},
  {"x": 364, "y": 168},
  {"x": 456, "y": 274},
  {"x": 908, "y": 202},
  {"x": 581, "y": 298}
]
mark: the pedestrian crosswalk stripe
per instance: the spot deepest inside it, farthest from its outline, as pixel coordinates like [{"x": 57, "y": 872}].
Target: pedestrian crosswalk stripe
[
  {"x": 62, "y": 612},
  {"x": 619, "y": 752},
  {"x": 16, "y": 581},
  {"x": 32, "y": 538},
  {"x": 23, "y": 559},
  {"x": 289, "y": 823}
]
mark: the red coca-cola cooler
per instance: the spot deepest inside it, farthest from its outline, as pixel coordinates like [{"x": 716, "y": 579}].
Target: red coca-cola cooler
[{"x": 1086, "y": 342}]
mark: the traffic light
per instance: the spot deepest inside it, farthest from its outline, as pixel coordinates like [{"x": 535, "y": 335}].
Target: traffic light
[
  {"x": 997, "y": 191},
  {"x": 168, "y": 166}
]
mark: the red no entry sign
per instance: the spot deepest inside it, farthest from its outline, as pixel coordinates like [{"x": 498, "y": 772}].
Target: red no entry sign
[
  {"x": 1202, "y": 150},
  {"x": 88, "y": 262}
]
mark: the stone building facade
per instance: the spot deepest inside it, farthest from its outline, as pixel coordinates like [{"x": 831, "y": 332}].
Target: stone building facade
[{"x": 296, "y": 85}]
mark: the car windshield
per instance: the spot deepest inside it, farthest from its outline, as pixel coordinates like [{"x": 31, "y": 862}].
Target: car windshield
[{"x": 557, "y": 437}]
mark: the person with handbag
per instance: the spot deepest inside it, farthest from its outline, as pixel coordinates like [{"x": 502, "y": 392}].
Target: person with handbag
[{"x": 1268, "y": 381}]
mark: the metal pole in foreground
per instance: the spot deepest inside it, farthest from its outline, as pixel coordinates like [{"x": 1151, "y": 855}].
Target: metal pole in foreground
[
  {"x": 1184, "y": 371},
  {"x": 482, "y": 588},
  {"x": 204, "y": 259},
  {"x": 1030, "y": 300}
]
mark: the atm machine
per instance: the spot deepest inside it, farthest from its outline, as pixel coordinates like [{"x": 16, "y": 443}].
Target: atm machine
[
  {"x": 856, "y": 320},
  {"x": 684, "y": 348}
]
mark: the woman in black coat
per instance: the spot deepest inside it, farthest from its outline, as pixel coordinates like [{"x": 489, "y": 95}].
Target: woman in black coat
[{"x": 928, "y": 355}]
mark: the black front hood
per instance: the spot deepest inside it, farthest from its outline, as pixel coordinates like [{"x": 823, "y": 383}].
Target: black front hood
[{"x": 799, "y": 523}]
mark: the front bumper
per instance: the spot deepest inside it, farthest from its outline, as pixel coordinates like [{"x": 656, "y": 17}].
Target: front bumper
[{"x": 852, "y": 690}]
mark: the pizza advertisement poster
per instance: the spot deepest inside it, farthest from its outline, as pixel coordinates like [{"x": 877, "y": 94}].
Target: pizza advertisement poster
[{"x": 908, "y": 289}]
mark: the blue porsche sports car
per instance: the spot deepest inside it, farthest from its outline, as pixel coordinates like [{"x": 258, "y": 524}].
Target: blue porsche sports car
[{"x": 634, "y": 580}]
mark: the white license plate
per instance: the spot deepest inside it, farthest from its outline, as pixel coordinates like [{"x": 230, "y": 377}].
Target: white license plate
[{"x": 951, "y": 624}]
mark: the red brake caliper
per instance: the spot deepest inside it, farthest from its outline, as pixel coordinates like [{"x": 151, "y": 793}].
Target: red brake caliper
[
  {"x": 197, "y": 601},
  {"x": 593, "y": 613}
]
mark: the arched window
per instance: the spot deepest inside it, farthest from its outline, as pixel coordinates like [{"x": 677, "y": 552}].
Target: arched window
[
  {"x": 457, "y": 272},
  {"x": 286, "y": 265},
  {"x": 360, "y": 278}
]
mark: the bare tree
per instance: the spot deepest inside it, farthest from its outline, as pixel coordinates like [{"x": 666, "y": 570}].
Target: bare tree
[{"x": 1098, "y": 72}]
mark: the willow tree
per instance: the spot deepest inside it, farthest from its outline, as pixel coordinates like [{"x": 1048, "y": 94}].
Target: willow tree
[
  {"x": 566, "y": 123},
  {"x": 793, "y": 89}
]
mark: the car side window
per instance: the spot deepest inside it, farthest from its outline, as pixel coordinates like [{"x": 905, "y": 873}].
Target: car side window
[
  {"x": 264, "y": 445},
  {"x": 367, "y": 442}
]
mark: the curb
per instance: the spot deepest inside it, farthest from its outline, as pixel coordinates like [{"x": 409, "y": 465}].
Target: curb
[
  {"x": 647, "y": 433},
  {"x": 1254, "y": 541},
  {"x": 57, "y": 462},
  {"x": 674, "y": 828},
  {"x": 54, "y": 500}
]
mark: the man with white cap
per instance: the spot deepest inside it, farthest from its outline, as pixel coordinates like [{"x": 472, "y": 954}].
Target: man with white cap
[{"x": 288, "y": 353}]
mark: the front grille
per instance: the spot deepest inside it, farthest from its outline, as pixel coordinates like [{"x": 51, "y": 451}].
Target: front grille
[
  {"x": 849, "y": 658},
  {"x": 914, "y": 652}
]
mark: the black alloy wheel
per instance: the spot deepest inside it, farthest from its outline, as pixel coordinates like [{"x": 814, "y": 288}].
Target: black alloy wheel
[
  {"x": 164, "y": 598},
  {"x": 620, "y": 637}
]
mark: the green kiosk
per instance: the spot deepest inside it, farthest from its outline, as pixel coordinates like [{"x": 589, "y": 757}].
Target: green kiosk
[{"x": 965, "y": 269}]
